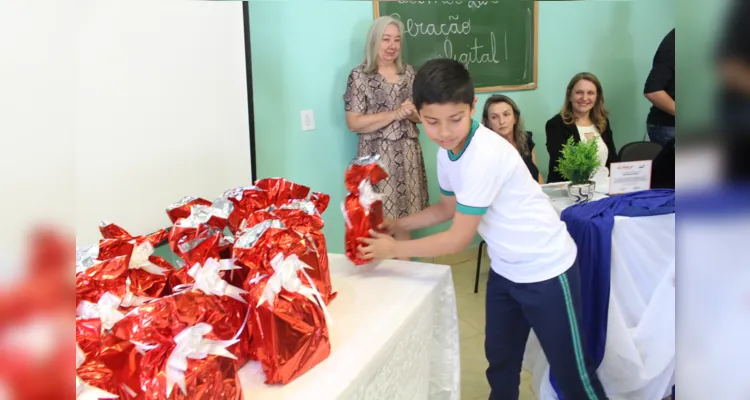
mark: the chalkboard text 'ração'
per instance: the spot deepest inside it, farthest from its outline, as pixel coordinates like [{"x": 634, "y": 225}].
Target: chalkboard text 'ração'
[{"x": 451, "y": 28}]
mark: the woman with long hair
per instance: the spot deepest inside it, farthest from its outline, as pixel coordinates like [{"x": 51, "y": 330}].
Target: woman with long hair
[
  {"x": 583, "y": 117},
  {"x": 502, "y": 115}
]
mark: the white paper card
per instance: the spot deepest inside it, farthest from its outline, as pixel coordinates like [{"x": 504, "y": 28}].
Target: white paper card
[{"x": 631, "y": 176}]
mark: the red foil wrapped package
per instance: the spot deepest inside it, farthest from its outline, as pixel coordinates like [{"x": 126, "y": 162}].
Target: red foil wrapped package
[
  {"x": 304, "y": 218},
  {"x": 191, "y": 365},
  {"x": 209, "y": 300},
  {"x": 181, "y": 209},
  {"x": 290, "y": 321},
  {"x": 270, "y": 192},
  {"x": 280, "y": 191},
  {"x": 252, "y": 246},
  {"x": 246, "y": 200},
  {"x": 112, "y": 231},
  {"x": 362, "y": 207},
  {"x": 106, "y": 366},
  {"x": 200, "y": 235},
  {"x": 127, "y": 269}
]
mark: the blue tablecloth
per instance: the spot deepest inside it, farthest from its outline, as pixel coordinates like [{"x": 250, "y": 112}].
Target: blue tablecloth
[{"x": 590, "y": 225}]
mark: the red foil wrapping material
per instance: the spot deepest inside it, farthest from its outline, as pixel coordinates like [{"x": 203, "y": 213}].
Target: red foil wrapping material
[
  {"x": 289, "y": 337},
  {"x": 111, "y": 364},
  {"x": 181, "y": 209},
  {"x": 194, "y": 245},
  {"x": 256, "y": 246},
  {"x": 308, "y": 223},
  {"x": 212, "y": 378},
  {"x": 112, "y": 231},
  {"x": 362, "y": 210},
  {"x": 113, "y": 273},
  {"x": 197, "y": 238},
  {"x": 280, "y": 191},
  {"x": 107, "y": 276},
  {"x": 158, "y": 321},
  {"x": 266, "y": 193}
]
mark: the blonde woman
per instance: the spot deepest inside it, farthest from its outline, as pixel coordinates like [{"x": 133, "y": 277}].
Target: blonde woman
[
  {"x": 583, "y": 117},
  {"x": 502, "y": 116},
  {"x": 379, "y": 109}
]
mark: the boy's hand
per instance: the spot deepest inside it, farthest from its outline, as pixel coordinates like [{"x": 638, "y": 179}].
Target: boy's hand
[
  {"x": 389, "y": 226},
  {"x": 380, "y": 246}
]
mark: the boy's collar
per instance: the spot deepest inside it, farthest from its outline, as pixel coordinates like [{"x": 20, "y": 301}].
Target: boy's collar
[{"x": 474, "y": 126}]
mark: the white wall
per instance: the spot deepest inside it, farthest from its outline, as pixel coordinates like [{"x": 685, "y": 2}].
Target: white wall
[
  {"x": 36, "y": 119},
  {"x": 161, "y": 109},
  {"x": 113, "y": 109}
]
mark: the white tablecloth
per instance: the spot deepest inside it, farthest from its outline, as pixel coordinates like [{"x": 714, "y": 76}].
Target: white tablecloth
[
  {"x": 394, "y": 336},
  {"x": 639, "y": 358}
]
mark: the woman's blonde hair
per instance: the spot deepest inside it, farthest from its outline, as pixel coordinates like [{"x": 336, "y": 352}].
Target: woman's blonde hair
[
  {"x": 372, "y": 47},
  {"x": 520, "y": 136},
  {"x": 598, "y": 113}
]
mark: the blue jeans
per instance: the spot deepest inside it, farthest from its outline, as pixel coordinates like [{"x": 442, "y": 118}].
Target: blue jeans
[{"x": 660, "y": 134}]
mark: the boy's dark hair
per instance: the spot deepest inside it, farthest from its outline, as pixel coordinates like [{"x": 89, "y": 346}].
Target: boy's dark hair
[{"x": 442, "y": 81}]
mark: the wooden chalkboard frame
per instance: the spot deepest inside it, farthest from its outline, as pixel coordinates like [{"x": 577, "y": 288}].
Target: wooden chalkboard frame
[{"x": 489, "y": 89}]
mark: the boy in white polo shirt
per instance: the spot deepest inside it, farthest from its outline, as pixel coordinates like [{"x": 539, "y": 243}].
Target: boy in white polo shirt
[{"x": 485, "y": 187}]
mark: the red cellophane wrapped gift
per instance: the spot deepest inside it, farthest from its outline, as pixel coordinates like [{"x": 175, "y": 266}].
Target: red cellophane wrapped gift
[
  {"x": 304, "y": 217},
  {"x": 209, "y": 306},
  {"x": 270, "y": 192},
  {"x": 105, "y": 364},
  {"x": 126, "y": 268},
  {"x": 290, "y": 322},
  {"x": 362, "y": 207},
  {"x": 112, "y": 231},
  {"x": 182, "y": 208},
  {"x": 255, "y": 246},
  {"x": 199, "y": 235}
]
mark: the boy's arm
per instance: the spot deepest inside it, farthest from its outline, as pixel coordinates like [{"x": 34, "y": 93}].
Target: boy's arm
[
  {"x": 455, "y": 239},
  {"x": 432, "y": 215}
]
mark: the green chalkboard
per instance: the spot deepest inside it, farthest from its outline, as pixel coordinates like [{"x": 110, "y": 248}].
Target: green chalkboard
[{"x": 495, "y": 39}]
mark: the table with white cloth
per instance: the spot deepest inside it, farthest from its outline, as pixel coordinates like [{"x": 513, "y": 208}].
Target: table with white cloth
[
  {"x": 394, "y": 335},
  {"x": 639, "y": 355}
]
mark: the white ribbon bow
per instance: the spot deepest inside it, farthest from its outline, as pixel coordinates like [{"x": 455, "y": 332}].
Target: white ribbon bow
[
  {"x": 367, "y": 195},
  {"x": 285, "y": 276},
  {"x": 191, "y": 344},
  {"x": 208, "y": 281},
  {"x": 106, "y": 310},
  {"x": 84, "y": 391},
  {"x": 139, "y": 259}
]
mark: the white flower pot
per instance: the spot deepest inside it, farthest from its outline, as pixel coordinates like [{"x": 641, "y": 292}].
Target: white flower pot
[{"x": 582, "y": 193}]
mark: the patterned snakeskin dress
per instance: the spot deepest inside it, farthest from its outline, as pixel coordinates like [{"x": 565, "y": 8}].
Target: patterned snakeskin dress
[{"x": 405, "y": 189}]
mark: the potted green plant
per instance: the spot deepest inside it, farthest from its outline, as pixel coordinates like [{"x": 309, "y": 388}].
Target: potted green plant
[{"x": 578, "y": 164}]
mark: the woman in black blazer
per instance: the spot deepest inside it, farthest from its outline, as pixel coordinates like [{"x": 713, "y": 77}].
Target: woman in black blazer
[{"x": 583, "y": 113}]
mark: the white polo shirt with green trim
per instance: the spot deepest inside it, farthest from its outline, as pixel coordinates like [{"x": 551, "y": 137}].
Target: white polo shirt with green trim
[{"x": 526, "y": 240}]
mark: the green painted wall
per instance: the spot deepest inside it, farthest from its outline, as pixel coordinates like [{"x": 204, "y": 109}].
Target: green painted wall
[
  {"x": 700, "y": 24},
  {"x": 303, "y": 51}
]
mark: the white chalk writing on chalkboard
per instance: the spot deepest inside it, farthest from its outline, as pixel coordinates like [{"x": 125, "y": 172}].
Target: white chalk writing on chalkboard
[
  {"x": 471, "y": 3},
  {"x": 482, "y": 51},
  {"x": 474, "y": 55},
  {"x": 420, "y": 28}
]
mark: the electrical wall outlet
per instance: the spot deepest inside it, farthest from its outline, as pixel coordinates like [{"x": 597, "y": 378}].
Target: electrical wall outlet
[{"x": 308, "y": 120}]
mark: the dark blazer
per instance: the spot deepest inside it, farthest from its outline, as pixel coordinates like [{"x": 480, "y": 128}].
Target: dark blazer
[{"x": 558, "y": 133}]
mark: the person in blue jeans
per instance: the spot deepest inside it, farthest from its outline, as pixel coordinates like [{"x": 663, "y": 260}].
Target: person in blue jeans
[
  {"x": 660, "y": 91},
  {"x": 486, "y": 187}
]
